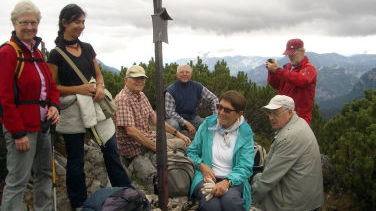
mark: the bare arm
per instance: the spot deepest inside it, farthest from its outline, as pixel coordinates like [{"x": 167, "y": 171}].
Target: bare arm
[
  {"x": 171, "y": 130},
  {"x": 99, "y": 90},
  {"x": 84, "y": 89},
  {"x": 140, "y": 138}
]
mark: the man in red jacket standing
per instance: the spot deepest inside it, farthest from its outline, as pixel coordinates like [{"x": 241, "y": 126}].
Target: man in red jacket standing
[{"x": 296, "y": 79}]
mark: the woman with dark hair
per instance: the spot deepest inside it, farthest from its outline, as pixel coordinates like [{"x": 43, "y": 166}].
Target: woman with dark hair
[
  {"x": 29, "y": 103},
  {"x": 223, "y": 152},
  {"x": 71, "y": 25}
]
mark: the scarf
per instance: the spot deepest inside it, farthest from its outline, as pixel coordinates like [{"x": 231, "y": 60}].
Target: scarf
[
  {"x": 68, "y": 42},
  {"x": 225, "y": 132}
]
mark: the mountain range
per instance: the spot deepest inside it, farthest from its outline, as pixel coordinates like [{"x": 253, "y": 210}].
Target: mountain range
[{"x": 340, "y": 79}]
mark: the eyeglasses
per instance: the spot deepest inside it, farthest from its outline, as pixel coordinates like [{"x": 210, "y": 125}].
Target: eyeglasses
[
  {"x": 26, "y": 23},
  {"x": 226, "y": 110},
  {"x": 275, "y": 112}
]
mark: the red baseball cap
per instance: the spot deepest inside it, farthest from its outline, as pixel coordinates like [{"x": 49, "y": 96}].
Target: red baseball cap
[{"x": 292, "y": 45}]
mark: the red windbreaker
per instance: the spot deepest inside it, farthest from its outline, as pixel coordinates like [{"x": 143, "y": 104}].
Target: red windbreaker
[
  {"x": 298, "y": 83},
  {"x": 18, "y": 119}
]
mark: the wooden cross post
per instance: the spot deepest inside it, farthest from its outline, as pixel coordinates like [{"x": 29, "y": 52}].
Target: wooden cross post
[{"x": 160, "y": 19}]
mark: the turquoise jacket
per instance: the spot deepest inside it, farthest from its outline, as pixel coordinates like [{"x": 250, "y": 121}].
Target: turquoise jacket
[{"x": 200, "y": 151}]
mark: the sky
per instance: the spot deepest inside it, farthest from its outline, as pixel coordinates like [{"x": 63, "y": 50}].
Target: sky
[{"x": 121, "y": 30}]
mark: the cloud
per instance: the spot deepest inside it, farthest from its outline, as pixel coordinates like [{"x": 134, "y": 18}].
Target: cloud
[
  {"x": 121, "y": 31},
  {"x": 329, "y": 17}
]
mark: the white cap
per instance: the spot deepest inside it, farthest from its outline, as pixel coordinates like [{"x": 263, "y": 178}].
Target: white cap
[{"x": 279, "y": 101}]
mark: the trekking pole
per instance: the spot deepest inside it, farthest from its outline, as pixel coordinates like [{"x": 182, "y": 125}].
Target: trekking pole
[{"x": 52, "y": 131}]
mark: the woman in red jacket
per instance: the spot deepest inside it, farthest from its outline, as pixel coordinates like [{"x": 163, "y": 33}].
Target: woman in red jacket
[{"x": 29, "y": 103}]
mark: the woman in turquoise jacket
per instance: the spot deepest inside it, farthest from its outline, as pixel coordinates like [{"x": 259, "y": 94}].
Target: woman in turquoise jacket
[{"x": 223, "y": 155}]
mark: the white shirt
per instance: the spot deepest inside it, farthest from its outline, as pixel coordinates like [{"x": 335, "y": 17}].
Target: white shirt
[{"x": 222, "y": 152}]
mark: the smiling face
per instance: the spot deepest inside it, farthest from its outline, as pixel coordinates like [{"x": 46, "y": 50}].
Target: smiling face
[
  {"x": 184, "y": 73},
  {"x": 74, "y": 29},
  {"x": 227, "y": 114},
  {"x": 135, "y": 85},
  {"x": 278, "y": 118},
  {"x": 26, "y": 27}
]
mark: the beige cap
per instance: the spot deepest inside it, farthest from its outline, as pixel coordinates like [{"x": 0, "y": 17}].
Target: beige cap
[
  {"x": 279, "y": 101},
  {"x": 135, "y": 71}
]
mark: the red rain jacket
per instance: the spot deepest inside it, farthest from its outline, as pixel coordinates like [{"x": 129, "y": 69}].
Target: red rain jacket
[
  {"x": 18, "y": 119},
  {"x": 298, "y": 83}
]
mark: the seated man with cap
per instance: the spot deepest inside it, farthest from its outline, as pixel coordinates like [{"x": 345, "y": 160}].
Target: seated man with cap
[
  {"x": 133, "y": 115},
  {"x": 292, "y": 177},
  {"x": 296, "y": 79}
]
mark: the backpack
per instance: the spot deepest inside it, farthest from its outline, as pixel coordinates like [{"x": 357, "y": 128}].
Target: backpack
[
  {"x": 180, "y": 170},
  {"x": 117, "y": 199},
  {"x": 17, "y": 74},
  {"x": 259, "y": 159},
  {"x": 260, "y": 154}
]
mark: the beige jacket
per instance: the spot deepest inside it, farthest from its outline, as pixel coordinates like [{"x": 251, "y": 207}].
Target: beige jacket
[{"x": 82, "y": 113}]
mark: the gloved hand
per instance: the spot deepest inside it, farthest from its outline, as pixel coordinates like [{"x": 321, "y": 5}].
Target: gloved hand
[{"x": 206, "y": 190}]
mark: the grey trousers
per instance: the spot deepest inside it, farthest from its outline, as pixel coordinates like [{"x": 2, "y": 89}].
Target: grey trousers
[
  {"x": 20, "y": 165},
  {"x": 232, "y": 200}
]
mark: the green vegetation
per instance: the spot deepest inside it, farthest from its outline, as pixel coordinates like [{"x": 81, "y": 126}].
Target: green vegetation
[
  {"x": 348, "y": 139},
  {"x": 218, "y": 81}
]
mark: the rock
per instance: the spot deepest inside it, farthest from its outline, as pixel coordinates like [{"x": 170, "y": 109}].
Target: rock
[
  {"x": 94, "y": 186},
  {"x": 143, "y": 169},
  {"x": 95, "y": 171}
]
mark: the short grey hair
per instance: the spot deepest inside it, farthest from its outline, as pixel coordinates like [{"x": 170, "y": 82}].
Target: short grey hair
[
  {"x": 24, "y": 7},
  {"x": 184, "y": 66}
]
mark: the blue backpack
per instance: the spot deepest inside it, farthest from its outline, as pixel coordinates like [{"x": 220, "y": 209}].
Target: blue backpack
[{"x": 117, "y": 199}]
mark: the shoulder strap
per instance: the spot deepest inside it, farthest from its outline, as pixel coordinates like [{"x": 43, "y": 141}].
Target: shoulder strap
[
  {"x": 71, "y": 63},
  {"x": 20, "y": 59},
  {"x": 19, "y": 67}
]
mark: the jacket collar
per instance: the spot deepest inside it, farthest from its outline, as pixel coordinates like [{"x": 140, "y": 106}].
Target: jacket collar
[
  {"x": 302, "y": 63},
  {"x": 242, "y": 130},
  {"x": 15, "y": 39}
]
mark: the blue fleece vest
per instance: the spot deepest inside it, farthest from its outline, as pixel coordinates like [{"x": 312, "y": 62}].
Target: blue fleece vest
[{"x": 187, "y": 97}]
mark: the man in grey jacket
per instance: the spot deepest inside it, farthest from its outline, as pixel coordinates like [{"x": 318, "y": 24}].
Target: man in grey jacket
[{"x": 292, "y": 177}]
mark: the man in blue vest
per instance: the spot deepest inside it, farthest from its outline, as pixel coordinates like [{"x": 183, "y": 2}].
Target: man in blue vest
[{"x": 182, "y": 99}]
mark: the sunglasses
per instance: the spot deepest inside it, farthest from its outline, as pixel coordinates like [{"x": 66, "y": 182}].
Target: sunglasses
[{"x": 226, "y": 110}]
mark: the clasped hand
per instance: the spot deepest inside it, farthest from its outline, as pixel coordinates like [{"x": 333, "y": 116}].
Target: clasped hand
[
  {"x": 271, "y": 66},
  {"x": 218, "y": 189},
  {"x": 91, "y": 90}
]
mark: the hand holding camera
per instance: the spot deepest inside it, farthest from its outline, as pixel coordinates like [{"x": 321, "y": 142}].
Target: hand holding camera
[{"x": 271, "y": 65}]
